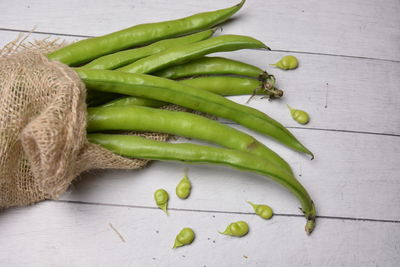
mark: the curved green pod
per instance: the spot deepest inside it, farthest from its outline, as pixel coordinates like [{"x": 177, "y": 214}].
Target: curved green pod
[
  {"x": 123, "y": 58},
  {"x": 129, "y": 101},
  {"x": 229, "y": 86},
  {"x": 210, "y": 66},
  {"x": 142, "y": 34},
  {"x": 185, "y": 53},
  {"x": 178, "y": 123},
  {"x": 139, "y": 147},
  {"x": 173, "y": 92}
]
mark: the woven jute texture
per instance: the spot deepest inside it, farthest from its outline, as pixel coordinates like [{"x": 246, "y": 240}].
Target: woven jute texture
[{"x": 43, "y": 144}]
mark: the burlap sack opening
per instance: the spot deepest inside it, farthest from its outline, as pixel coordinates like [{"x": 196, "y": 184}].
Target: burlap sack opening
[{"x": 43, "y": 144}]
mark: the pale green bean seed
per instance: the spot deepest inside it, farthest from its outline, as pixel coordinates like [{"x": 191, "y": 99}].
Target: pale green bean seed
[
  {"x": 298, "y": 115},
  {"x": 185, "y": 237},
  {"x": 161, "y": 197},
  {"x": 287, "y": 63},
  {"x": 184, "y": 187},
  {"x": 238, "y": 229},
  {"x": 263, "y": 211}
]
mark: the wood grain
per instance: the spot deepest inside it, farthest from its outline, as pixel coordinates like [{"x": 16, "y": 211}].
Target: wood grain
[
  {"x": 62, "y": 234},
  {"x": 356, "y": 28}
]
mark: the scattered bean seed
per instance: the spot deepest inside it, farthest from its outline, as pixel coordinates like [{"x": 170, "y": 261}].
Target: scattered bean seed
[
  {"x": 287, "y": 63},
  {"x": 184, "y": 187},
  {"x": 263, "y": 211},
  {"x": 298, "y": 115},
  {"x": 185, "y": 237},
  {"x": 161, "y": 197},
  {"x": 238, "y": 229}
]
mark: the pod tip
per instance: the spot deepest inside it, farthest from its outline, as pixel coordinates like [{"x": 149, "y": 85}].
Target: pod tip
[{"x": 241, "y": 3}]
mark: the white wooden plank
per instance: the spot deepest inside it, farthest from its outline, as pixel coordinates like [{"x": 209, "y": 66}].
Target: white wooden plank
[
  {"x": 353, "y": 175},
  {"x": 339, "y": 93},
  {"x": 61, "y": 234},
  {"x": 358, "y": 28}
]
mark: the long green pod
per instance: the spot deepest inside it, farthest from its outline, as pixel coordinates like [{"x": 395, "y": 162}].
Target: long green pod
[
  {"x": 122, "y": 58},
  {"x": 161, "y": 89},
  {"x": 89, "y": 49},
  {"x": 178, "y": 123},
  {"x": 226, "y": 85},
  {"x": 229, "y": 85},
  {"x": 185, "y": 53},
  {"x": 129, "y": 101},
  {"x": 210, "y": 66},
  {"x": 139, "y": 147}
]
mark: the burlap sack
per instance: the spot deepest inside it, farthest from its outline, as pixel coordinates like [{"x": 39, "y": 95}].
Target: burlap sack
[{"x": 43, "y": 144}]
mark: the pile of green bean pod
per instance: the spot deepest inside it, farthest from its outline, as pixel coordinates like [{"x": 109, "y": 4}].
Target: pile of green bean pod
[
  {"x": 126, "y": 57},
  {"x": 178, "y": 123},
  {"x": 148, "y": 86},
  {"x": 182, "y": 54},
  {"x": 170, "y": 67},
  {"x": 89, "y": 49}
]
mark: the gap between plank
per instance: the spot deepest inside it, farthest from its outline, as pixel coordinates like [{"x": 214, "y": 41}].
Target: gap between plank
[
  {"x": 328, "y": 130},
  {"x": 219, "y": 211},
  {"x": 274, "y": 50}
]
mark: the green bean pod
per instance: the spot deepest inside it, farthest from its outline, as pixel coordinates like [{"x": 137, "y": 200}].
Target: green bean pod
[
  {"x": 123, "y": 58},
  {"x": 210, "y": 66},
  {"x": 134, "y": 101},
  {"x": 139, "y": 147},
  {"x": 228, "y": 86},
  {"x": 89, "y": 49},
  {"x": 173, "y": 92},
  {"x": 178, "y": 123},
  {"x": 185, "y": 53}
]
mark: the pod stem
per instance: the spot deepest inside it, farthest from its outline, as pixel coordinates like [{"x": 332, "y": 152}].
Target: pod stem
[
  {"x": 268, "y": 87},
  {"x": 310, "y": 216}
]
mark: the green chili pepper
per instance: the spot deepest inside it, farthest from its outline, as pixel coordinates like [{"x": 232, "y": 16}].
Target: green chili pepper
[
  {"x": 126, "y": 57},
  {"x": 161, "y": 197},
  {"x": 139, "y": 147},
  {"x": 238, "y": 229},
  {"x": 185, "y": 124},
  {"x": 263, "y": 211},
  {"x": 185, "y": 237},
  {"x": 89, "y": 49},
  {"x": 184, "y": 53},
  {"x": 173, "y": 92},
  {"x": 184, "y": 187},
  {"x": 287, "y": 63},
  {"x": 210, "y": 66},
  {"x": 298, "y": 115},
  {"x": 228, "y": 86},
  {"x": 134, "y": 101}
]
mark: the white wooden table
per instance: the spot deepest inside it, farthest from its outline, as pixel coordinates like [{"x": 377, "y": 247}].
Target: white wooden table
[{"x": 349, "y": 82}]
